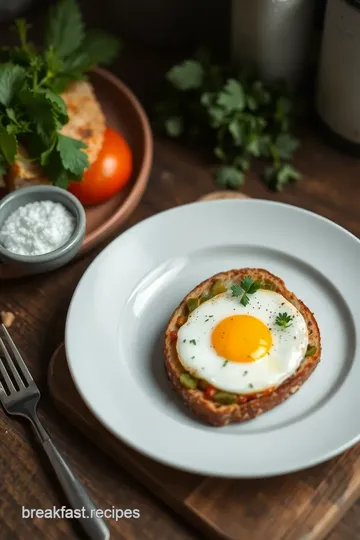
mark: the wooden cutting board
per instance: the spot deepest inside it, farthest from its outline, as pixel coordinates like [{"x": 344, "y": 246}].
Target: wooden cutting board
[{"x": 300, "y": 506}]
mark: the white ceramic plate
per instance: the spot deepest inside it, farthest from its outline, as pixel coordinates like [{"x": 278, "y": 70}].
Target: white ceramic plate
[{"x": 114, "y": 335}]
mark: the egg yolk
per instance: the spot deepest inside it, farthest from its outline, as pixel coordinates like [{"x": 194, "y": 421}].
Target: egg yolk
[{"x": 241, "y": 338}]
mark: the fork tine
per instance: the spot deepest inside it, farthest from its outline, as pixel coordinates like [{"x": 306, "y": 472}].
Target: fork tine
[
  {"x": 2, "y": 392},
  {"x": 6, "y": 377},
  {"x": 22, "y": 366},
  {"x": 11, "y": 364}
]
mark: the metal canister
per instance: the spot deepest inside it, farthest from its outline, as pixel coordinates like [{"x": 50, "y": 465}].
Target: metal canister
[{"x": 273, "y": 37}]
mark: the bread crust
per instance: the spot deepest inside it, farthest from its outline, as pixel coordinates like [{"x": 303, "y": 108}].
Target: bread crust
[{"x": 219, "y": 415}]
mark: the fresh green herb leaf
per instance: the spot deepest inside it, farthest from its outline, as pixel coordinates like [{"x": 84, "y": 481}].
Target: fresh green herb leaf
[
  {"x": 3, "y": 165},
  {"x": 186, "y": 76},
  {"x": 72, "y": 156},
  {"x": 311, "y": 350},
  {"x": 284, "y": 320},
  {"x": 277, "y": 177},
  {"x": 237, "y": 290},
  {"x": 41, "y": 110},
  {"x": 53, "y": 64},
  {"x": 247, "y": 286},
  {"x": 236, "y": 128},
  {"x": 65, "y": 29},
  {"x": 58, "y": 105},
  {"x": 61, "y": 82},
  {"x": 232, "y": 97},
  {"x": 245, "y": 300},
  {"x": 242, "y": 162},
  {"x": 44, "y": 155},
  {"x": 230, "y": 177},
  {"x": 252, "y": 103},
  {"x": 253, "y": 146},
  {"x": 250, "y": 285},
  {"x": 174, "y": 126},
  {"x": 8, "y": 145},
  {"x": 62, "y": 179},
  {"x": 217, "y": 116},
  {"x": 99, "y": 47},
  {"x": 75, "y": 65},
  {"x": 192, "y": 341},
  {"x": 286, "y": 145},
  {"x": 11, "y": 115},
  {"x": 11, "y": 78}
]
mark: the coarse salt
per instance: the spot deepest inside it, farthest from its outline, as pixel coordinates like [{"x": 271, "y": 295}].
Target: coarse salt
[{"x": 37, "y": 228}]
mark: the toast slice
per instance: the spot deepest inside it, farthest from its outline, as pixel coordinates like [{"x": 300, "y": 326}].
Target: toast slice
[{"x": 217, "y": 414}]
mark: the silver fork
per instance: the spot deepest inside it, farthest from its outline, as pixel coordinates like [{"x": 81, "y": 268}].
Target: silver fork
[{"x": 19, "y": 395}]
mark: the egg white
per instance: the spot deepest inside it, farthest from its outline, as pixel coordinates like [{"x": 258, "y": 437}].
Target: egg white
[{"x": 198, "y": 356}]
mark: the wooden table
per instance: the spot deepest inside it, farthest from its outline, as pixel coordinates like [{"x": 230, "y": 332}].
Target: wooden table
[{"x": 331, "y": 187}]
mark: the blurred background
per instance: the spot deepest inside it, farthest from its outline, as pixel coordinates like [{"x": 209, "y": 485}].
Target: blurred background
[{"x": 313, "y": 46}]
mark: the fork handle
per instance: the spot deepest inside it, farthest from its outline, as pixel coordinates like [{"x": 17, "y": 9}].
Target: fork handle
[{"x": 78, "y": 497}]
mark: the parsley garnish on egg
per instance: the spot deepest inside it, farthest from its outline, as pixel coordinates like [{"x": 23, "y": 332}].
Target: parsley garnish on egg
[
  {"x": 247, "y": 286},
  {"x": 284, "y": 320},
  {"x": 193, "y": 341}
]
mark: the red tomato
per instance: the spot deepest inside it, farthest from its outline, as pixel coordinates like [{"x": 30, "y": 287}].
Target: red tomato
[
  {"x": 209, "y": 392},
  {"x": 108, "y": 174}
]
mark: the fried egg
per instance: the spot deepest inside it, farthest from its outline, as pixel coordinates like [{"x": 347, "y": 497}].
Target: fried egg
[{"x": 240, "y": 348}]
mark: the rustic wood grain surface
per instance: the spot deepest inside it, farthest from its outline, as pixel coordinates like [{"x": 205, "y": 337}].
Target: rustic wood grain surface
[{"x": 330, "y": 187}]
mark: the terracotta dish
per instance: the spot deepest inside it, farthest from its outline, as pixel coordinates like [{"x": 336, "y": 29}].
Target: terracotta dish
[{"x": 125, "y": 114}]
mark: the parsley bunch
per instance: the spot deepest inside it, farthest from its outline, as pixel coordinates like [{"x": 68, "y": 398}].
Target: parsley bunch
[
  {"x": 240, "y": 116},
  {"x": 32, "y": 111}
]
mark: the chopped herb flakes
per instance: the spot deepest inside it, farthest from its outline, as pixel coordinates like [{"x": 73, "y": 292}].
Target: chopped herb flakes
[{"x": 192, "y": 341}]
